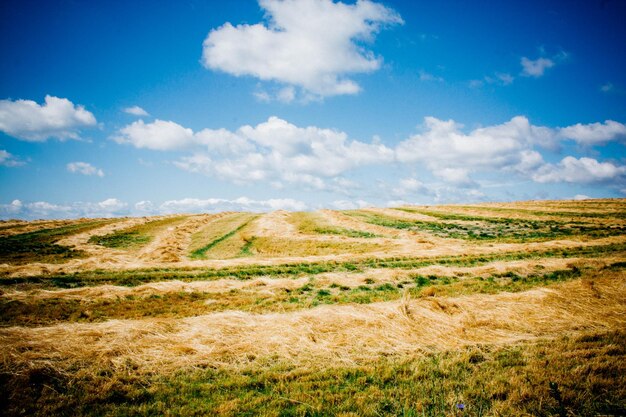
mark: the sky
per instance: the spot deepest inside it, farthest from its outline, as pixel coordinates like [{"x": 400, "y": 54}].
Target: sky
[{"x": 115, "y": 108}]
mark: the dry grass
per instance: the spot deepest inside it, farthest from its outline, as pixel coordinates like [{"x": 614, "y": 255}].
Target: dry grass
[
  {"x": 223, "y": 238},
  {"x": 323, "y": 314},
  {"x": 327, "y": 333}
]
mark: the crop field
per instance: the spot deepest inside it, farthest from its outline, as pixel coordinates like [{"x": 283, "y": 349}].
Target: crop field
[{"x": 495, "y": 309}]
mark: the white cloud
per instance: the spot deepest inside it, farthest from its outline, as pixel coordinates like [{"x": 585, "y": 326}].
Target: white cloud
[
  {"x": 194, "y": 205},
  {"x": 455, "y": 176},
  {"x": 56, "y": 118},
  {"x": 452, "y": 155},
  {"x": 158, "y": 135},
  {"x": 594, "y": 133},
  {"x": 9, "y": 160},
  {"x": 535, "y": 68},
  {"x": 280, "y": 153},
  {"x": 84, "y": 168},
  {"x": 111, "y": 207},
  {"x": 580, "y": 197},
  {"x": 12, "y": 209},
  {"x": 607, "y": 88},
  {"x": 136, "y": 111},
  {"x": 311, "y": 44},
  {"x": 583, "y": 170},
  {"x": 349, "y": 204},
  {"x": 425, "y": 76},
  {"x": 504, "y": 78},
  {"x": 275, "y": 150},
  {"x": 408, "y": 186}
]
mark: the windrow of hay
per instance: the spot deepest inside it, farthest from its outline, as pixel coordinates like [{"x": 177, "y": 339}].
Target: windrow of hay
[
  {"x": 172, "y": 245},
  {"x": 327, "y": 334},
  {"x": 13, "y": 227},
  {"x": 347, "y": 279}
]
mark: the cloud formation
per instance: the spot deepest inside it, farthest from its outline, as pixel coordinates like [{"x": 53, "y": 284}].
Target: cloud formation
[
  {"x": 9, "y": 160},
  {"x": 279, "y": 153},
  {"x": 535, "y": 68},
  {"x": 136, "y": 111},
  {"x": 112, "y": 207},
  {"x": 84, "y": 168},
  {"x": 310, "y": 44},
  {"x": 17, "y": 209},
  {"x": 273, "y": 151},
  {"x": 594, "y": 133},
  {"x": 581, "y": 171},
  {"x": 57, "y": 118}
]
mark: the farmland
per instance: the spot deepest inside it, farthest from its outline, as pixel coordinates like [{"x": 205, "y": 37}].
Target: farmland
[{"x": 480, "y": 310}]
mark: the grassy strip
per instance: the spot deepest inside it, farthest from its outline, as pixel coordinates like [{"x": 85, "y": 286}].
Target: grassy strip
[
  {"x": 133, "y": 237},
  {"x": 142, "y": 276},
  {"x": 312, "y": 223},
  {"x": 569, "y": 376},
  {"x": 47, "y": 311},
  {"x": 200, "y": 253},
  {"x": 40, "y": 246},
  {"x": 246, "y": 249},
  {"x": 341, "y": 231},
  {"x": 590, "y": 214},
  {"x": 489, "y": 228}
]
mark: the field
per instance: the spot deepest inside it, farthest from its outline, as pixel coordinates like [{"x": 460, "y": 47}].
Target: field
[{"x": 497, "y": 309}]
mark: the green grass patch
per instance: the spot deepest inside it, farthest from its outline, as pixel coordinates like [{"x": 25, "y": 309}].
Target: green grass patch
[
  {"x": 295, "y": 270},
  {"x": 578, "y": 376},
  {"x": 134, "y": 237},
  {"x": 200, "y": 253},
  {"x": 477, "y": 228},
  {"x": 35, "y": 311},
  {"x": 313, "y": 223}
]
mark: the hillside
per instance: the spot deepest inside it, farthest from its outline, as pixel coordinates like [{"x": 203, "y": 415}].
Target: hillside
[{"x": 490, "y": 309}]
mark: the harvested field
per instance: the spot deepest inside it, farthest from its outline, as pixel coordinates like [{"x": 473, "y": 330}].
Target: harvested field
[{"x": 508, "y": 309}]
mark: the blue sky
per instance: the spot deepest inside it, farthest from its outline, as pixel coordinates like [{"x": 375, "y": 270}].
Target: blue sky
[{"x": 116, "y": 108}]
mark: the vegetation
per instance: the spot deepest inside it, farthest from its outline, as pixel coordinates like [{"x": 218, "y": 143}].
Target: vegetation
[
  {"x": 313, "y": 223},
  {"x": 223, "y": 238},
  {"x": 142, "y": 276},
  {"x": 460, "y": 226},
  {"x": 580, "y": 376},
  {"x": 36, "y": 311},
  {"x": 487, "y": 311},
  {"x": 136, "y": 236},
  {"x": 41, "y": 246}
]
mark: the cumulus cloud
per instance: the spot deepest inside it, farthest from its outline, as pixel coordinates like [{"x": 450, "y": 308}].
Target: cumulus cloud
[
  {"x": 452, "y": 155},
  {"x": 56, "y": 118},
  {"x": 158, "y": 135},
  {"x": 582, "y": 170},
  {"x": 195, "y": 205},
  {"x": 280, "y": 153},
  {"x": 136, "y": 111},
  {"x": 408, "y": 186},
  {"x": 349, "y": 204},
  {"x": 84, "y": 168},
  {"x": 594, "y": 133},
  {"x": 310, "y": 44},
  {"x": 111, "y": 207},
  {"x": 9, "y": 160},
  {"x": 275, "y": 150},
  {"x": 535, "y": 68},
  {"x": 426, "y": 76}
]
